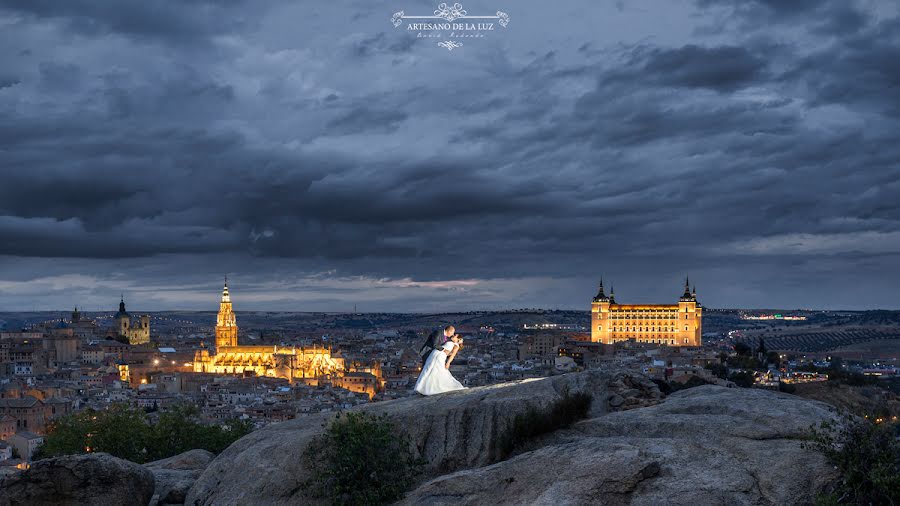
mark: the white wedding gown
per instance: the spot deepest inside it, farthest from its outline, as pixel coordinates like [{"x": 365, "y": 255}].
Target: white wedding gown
[{"x": 435, "y": 378}]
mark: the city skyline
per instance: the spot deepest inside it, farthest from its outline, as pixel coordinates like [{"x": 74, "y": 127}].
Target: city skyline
[{"x": 325, "y": 160}]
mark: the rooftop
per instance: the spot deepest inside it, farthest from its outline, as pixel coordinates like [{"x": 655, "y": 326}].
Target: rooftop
[{"x": 26, "y": 402}]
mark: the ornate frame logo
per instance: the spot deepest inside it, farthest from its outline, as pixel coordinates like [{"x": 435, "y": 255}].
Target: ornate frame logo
[
  {"x": 451, "y": 15},
  {"x": 450, "y": 44}
]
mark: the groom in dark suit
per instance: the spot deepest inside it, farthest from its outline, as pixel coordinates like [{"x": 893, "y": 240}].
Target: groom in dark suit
[{"x": 435, "y": 341}]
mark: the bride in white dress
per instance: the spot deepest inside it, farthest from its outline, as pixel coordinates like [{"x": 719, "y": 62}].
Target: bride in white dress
[{"x": 435, "y": 377}]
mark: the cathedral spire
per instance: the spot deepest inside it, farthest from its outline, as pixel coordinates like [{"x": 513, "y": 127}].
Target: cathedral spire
[{"x": 122, "y": 303}]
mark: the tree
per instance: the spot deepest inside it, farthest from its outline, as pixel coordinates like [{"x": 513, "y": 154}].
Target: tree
[
  {"x": 120, "y": 431},
  {"x": 742, "y": 350},
  {"x": 742, "y": 379},
  {"x": 761, "y": 349},
  {"x": 126, "y": 432},
  {"x": 719, "y": 370},
  {"x": 178, "y": 431}
]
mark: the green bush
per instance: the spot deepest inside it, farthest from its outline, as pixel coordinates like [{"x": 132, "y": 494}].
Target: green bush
[
  {"x": 742, "y": 379},
  {"x": 177, "y": 431},
  {"x": 361, "y": 459},
  {"x": 743, "y": 350},
  {"x": 868, "y": 458},
  {"x": 719, "y": 370},
  {"x": 534, "y": 422},
  {"x": 126, "y": 432}
]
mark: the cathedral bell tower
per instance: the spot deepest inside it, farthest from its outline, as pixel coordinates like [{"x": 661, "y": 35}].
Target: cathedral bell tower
[
  {"x": 123, "y": 319},
  {"x": 226, "y": 326}
]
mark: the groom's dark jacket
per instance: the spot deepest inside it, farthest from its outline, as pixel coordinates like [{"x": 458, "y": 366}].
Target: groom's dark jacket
[{"x": 432, "y": 342}]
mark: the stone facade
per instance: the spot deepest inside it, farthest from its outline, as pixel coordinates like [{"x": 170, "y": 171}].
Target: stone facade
[
  {"x": 226, "y": 324},
  {"x": 309, "y": 365},
  {"x": 670, "y": 324},
  {"x": 139, "y": 334}
]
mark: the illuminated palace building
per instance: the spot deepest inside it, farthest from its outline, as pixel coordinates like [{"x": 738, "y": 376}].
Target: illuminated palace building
[
  {"x": 308, "y": 365},
  {"x": 669, "y": 324}
]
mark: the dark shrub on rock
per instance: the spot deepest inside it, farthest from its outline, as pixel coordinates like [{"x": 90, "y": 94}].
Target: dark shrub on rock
[
  {"x": 361, "y": 459},
  {"x": 868, "y": 458},
  {"x": 534, "y": 422}
]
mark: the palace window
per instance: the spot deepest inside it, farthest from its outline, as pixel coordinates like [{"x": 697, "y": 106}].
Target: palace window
[{"x": 685, "y": 327}]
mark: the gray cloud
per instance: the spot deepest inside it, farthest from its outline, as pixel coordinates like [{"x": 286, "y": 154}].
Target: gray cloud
[
  {"x": 320, "y": 152},
  {"x": 721, "y": 68},
  {"x": 168, "y": 20}
]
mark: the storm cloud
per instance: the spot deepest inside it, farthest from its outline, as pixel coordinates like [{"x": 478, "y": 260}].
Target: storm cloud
[{"x": 323, "y": 159}]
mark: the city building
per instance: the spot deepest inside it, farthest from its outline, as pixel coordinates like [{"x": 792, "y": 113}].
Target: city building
[
  {"x": 28, "y": 411},
  {"x": 83, "y": 328},
  {"x": 289, "y": 362},
  {"x": 669, "y": 324},
  {"x": 543, "y": 347},
  {"x": 139, "y": 334},
  {"x": 7, "y": 426},
  {"x": 26, "y": 443}
]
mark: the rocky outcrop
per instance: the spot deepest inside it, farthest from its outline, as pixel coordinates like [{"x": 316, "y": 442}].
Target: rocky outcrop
[
  {"x": 98, "y": 479},
  {"x": 704, "y": 445},
  {"x": 176, "y": 475},
  {"x": 630, "y": 391},
  {"x": 188, "y": 461},
  {"x": 450, "y": 432}
]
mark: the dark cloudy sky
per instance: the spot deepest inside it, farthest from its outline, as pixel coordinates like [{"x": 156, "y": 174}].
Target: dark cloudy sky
[{"x": 323, "y": 158}]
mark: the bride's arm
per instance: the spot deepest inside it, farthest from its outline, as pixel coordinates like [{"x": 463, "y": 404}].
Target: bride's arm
[{"x": 452, "y": 356}]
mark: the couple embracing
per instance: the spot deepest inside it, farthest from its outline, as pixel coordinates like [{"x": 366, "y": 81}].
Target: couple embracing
[{"x": 437, "y": 353}]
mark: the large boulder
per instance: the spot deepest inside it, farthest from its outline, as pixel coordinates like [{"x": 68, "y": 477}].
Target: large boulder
[
  {"x": 98, "y": 479},
  {"x": 176, "y": 475},
  {"x": 704, "y": 445},
  {"x": 452, "y": 431},
  {"x": 192, "y": 460}
]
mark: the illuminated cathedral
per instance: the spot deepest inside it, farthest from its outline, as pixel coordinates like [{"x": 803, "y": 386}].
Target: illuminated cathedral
[
  {"x": 308, "y": 365},
  {"x": 125, "y": 327},
  {"x": 669, "y": 324}
]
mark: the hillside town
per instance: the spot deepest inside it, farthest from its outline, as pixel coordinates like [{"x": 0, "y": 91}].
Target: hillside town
[{"x": 56, "y": 367}]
